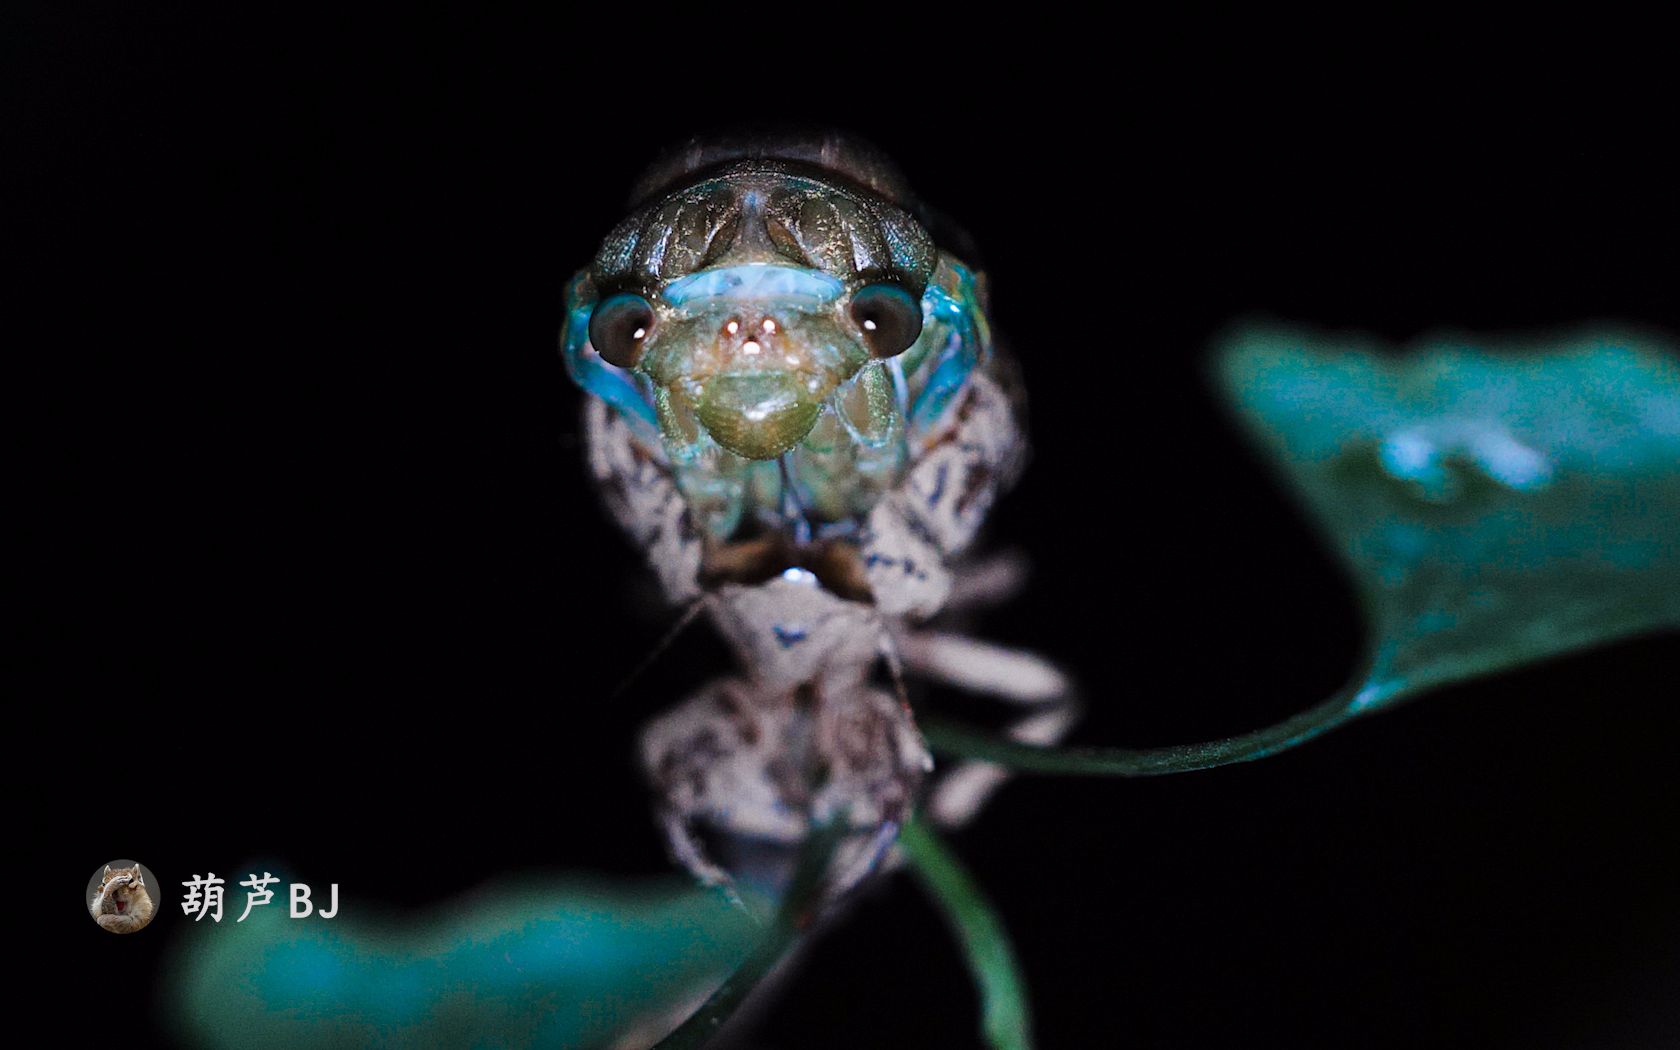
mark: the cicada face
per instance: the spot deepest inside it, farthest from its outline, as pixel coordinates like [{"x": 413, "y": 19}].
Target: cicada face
[
  {"x": 754, "y": 299},
  {"x": 748, "y": 356}
]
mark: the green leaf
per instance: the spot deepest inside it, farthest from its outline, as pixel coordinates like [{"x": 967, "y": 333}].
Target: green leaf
[
  {"x": 562, "y": 962},
  {"x": 1495, "y": 505},
  {"x": 1005, "y": 1020}
]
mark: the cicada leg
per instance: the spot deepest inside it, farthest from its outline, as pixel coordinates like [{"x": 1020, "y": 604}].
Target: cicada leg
[{"x": 1017, "y": 677}]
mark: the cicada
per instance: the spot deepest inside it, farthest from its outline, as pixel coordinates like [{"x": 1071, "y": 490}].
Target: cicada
[{"x": 799, "y": 413}]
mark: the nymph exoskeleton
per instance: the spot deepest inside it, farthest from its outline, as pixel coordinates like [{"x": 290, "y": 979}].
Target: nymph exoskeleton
[{"x": 799, "y": 415}]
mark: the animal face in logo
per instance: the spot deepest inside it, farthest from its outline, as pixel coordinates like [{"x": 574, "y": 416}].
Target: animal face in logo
[{"x": 122, "y": 903}]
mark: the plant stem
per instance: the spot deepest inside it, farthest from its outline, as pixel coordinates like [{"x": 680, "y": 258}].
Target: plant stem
[{"x": 1005, "y": 1019}]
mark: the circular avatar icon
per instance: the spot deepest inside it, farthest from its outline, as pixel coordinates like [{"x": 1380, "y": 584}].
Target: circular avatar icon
[{"x": 120, "y": 896}]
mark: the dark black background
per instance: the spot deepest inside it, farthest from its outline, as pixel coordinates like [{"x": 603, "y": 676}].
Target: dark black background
[{"x": 324, "y": 579}]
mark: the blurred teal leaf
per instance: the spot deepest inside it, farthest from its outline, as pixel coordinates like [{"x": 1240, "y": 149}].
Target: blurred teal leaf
[
  {"x": 1495, "y": 505},
  {"x": 562, "y": 964}
]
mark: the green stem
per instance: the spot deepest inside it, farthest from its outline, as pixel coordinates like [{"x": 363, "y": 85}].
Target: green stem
[
  {"x": 798, "y": 908},
  {"x": 966, "y": 742},
  {"x": 1006, "y": 1021}
]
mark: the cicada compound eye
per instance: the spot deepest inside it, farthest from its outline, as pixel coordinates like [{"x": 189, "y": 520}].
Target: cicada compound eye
[
  {"x": 890, "y": 318},
  {"x": 619, "y": 327}
]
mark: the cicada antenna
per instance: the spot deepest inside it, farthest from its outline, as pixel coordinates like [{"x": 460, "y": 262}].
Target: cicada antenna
[{"x": 693, "y": 610}]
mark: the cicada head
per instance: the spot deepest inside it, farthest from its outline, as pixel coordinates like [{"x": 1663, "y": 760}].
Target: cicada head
[{"x": 753, "y": 295}]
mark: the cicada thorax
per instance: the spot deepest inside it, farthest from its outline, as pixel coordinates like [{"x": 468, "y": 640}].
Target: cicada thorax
[
  {"x": 837, "y": 155},
  {"x": 781, "y": 340}
]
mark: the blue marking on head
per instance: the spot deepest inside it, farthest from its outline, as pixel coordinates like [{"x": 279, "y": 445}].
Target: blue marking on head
[
  {"x": 948, "y": 378},
  {"x": 754, "y": 281},
  {"x": 961, "y": 354}
]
